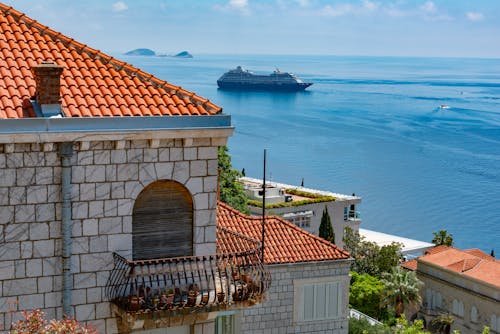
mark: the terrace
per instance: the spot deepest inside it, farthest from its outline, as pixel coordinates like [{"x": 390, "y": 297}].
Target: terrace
[{"x": 184, "y": 290}]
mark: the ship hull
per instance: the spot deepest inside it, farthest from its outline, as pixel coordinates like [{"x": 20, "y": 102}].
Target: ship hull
[{"x": 272, "y": 87}]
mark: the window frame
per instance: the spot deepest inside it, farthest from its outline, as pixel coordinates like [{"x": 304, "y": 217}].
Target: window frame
[{"x": 316, "y": 285}]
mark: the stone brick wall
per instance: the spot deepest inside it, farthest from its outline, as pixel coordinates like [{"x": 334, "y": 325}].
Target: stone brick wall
[
  {"x": 276, "y": 314},
  {"x": 106, "y": 178},
  {"x": 470, "y": 292}
]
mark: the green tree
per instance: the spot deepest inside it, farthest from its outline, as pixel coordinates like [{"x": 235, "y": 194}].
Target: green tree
[
  {"x": 442, "y": 323},
  {"x": 403, "y": 327},
  {"x": 231, "y": 191},
  {"x": 362, "y": 326},
  {"x": 326, "y": 228},
  {"x": 364, "y": 294},
  {"x": 401, "y": 289},
  {"x": 369, "y": 257},
  {"x": 442, "y": 238}
]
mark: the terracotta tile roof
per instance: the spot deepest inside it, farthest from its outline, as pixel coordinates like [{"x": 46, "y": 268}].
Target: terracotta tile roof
[
  {"x": 410, "y": 264},
  {"x": 437, "y": 249},
  {"x": 479, "y": 253},
  {"x": 284, "y": 242},
  {"x": 93, "y": 84},
  {"x": 471, "y": 263}
]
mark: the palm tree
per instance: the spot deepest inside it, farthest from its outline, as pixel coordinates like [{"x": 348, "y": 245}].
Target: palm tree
[
  {"x": 401, "y": 289},
  {"x": 443, "y": 323},
  {"x": 442, "y": 238}
]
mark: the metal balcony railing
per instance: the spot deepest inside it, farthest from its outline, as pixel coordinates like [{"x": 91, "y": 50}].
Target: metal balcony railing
[
  {"x": 352, "y": 215},
  {"x": 232, "y": 278}
]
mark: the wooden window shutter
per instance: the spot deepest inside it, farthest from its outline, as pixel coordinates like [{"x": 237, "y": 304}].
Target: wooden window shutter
[{"x": 162, "y": 222}]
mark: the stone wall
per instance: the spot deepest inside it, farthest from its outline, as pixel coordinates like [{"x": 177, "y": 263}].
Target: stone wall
[
  {"x": 277, "y": 313},
  {"x": 448, "y": 284},
  {"x": 106, "y": 178}
]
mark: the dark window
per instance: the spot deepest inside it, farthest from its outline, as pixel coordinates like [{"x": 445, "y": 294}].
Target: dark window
[{"x": 162, "y": 223}]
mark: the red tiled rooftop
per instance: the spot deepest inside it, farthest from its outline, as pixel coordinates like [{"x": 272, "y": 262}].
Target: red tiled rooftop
[
  {"x": 284, "y": 242},
  {"x": 410, "y": 264},
  {"x": 93, "y": 84},
  {"x": 472, "y": 263}
]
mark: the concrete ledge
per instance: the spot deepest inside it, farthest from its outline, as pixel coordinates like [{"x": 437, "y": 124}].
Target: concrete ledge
[{"x": 43, "y": 130}]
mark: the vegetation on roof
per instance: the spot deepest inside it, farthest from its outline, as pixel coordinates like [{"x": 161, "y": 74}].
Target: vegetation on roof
[
  {"x": 303, "y": 193},
  {"x": 322, "y": 199}
]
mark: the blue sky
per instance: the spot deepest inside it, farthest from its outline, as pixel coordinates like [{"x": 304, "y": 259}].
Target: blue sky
[{"x": 446, "y": 28}]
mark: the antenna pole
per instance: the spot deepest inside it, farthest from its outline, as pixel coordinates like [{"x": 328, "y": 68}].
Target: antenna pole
[{"x": 263, "y": 208}]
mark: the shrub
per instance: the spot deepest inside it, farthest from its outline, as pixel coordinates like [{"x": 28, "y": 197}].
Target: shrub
[{"x": 34, "y": 323}]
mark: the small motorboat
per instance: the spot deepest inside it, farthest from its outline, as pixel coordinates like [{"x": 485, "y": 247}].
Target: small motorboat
[{"x": 444, "y": 106}]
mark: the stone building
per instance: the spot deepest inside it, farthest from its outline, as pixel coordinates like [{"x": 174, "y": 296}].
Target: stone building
[
  {"x": 104, "y": 167},
  {"x": 462, "y": 283},
  {"x": 309, "y": 292}
]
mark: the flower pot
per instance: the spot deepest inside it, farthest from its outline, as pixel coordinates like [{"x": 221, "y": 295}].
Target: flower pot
[
  {"x": 135, "y": 303},
  {"x": 204, "y": 299}
]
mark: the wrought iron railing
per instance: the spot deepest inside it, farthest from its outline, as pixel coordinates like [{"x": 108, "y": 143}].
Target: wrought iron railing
[{"x": 227, "y": 279}]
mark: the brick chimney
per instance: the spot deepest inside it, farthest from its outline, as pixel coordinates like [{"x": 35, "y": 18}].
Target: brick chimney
[{"x": 48, "y": 85}]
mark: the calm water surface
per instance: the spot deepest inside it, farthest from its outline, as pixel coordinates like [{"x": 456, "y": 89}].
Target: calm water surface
[{"x": 371, "y": 126}]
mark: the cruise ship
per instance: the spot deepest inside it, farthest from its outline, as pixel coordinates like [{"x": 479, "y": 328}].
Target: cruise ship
[{"x": 240, "y": 79}]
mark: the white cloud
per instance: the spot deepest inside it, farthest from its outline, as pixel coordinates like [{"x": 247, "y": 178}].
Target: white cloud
[
  {"x": 370, "y": 5},
  {"x": 241, "y": 6},
  {"x": 347, "y": 9},
  {"x": 303, "y": 3},
  {"x": 429, "y": 7},
  {"x": 431, "y": 12},
  {"x": 474, "y": 16},
  {"x": 337, "y": 10},
  {"x": 119, "y": 6}
]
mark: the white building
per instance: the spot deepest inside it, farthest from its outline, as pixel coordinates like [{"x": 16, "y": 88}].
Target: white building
[{"x": 304, "y": 206}]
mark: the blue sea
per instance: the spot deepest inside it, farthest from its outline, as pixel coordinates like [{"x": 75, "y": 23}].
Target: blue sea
[{"x": 370, "y": 126}]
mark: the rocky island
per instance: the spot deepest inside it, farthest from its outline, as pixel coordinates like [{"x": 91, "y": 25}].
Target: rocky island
[{"x": 141, "y": 52}]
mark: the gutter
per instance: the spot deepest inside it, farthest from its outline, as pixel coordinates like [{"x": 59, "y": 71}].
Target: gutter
[{"x": 66, "y": 152}]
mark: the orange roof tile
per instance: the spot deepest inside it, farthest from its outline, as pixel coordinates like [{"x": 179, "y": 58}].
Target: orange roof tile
[
  {"x": 410, "y": 264},
  {"x": 472, "y": 263},
  {"x": 437, "y": 249},
  {"x": 284, "y": 242},
  {"x": 479, "y": 253},
  {"x": 92, "y": 83}
]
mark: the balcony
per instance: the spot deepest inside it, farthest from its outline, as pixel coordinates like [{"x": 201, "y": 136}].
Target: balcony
[
  {"x": 184, "y": 290},
  {"x": 352, "y": 215}
]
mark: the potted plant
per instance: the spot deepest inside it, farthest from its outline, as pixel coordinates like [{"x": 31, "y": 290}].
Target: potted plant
[
  {"x": 192, "y": 295},
  {"x": 135, "y": 303},
  {"x": 221, "y": 297},
  {"x": 204, "y": 298}
]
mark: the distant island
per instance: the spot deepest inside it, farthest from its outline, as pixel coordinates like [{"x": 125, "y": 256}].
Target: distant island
[
  {"x": 149, "y": 52},
  {"x": 141, "y": 52},
  {"x": 184, "y": 54}
]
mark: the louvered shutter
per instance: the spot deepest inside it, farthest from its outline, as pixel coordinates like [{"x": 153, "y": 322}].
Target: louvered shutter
[{"x": 162, "y": 223}]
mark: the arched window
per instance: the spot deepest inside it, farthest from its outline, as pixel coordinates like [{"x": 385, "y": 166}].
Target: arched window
[
  {"x": 162, "y": 222},
  {"x": 439, "y": 300},
  {"x": 428, "y": 299},
  {"x": 493, "y": 322},
  {"x": 473, "y": 314}
]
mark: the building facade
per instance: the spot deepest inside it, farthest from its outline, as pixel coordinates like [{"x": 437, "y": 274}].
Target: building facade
[
  {"x": 309, "y": 292},
  {"x": 108, "y": 193},
  {"x": 462, "y": 283}
]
